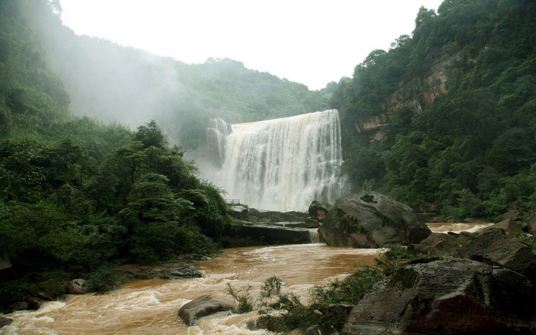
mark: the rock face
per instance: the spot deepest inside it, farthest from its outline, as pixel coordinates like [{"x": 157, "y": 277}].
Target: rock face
[
  {"x": 271, "y": 234},
  {"x": 200, "y": 307},
  {"x": 448, "y": 296},
  {"x": 76, "y": 286},
  {"x": 318, "y": 211},
  {"x": 370, "y": 221},
  {"x": 491, "y": 245}
]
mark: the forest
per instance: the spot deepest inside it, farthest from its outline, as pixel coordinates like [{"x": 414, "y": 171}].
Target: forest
[
  {"x": 455, "y": 111},
  {"x": 444, "y": 120},
  {"x": 77, "y": 196}
]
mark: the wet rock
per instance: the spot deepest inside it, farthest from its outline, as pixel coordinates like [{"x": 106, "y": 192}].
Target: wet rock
[
  {"x": 313, "y": 330},
  {"x": 184, "y": 272},
  {"x": 35, "y": 302},
  {"x": 19, "y": 306},
  {"x": 256, "y": 215},
  {"x": 447, "y": 296},
  {"x": 238, "y": 212},
  {"x": 494, "y": 246},
  {"x": 200, "y": 307},
  {"x": 531, "y": 224},
  {"x": 318, "y": 211},
  {"x": 511, "y": 227},
  {"x": 298, "y": 224},
  {"x": 5, "y": 321},
  {"x": 438, "y": 243},
  {"x": 491, "y": 245},
  {"x": 271, "y": 234},
  {"x": 76, "y": 286},
  {"x": 370, "y": 221}
]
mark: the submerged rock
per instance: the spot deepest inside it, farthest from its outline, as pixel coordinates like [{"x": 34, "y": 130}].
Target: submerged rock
[
  {"x": 5, "y": 321},
  {"x": 448, "y": 296},
  {"x": 371, "y": 221},
  {"x": 200, "y": 307}
]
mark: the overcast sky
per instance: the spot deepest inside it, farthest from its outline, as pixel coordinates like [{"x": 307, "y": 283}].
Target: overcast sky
[{"x": 309, "y": 41}]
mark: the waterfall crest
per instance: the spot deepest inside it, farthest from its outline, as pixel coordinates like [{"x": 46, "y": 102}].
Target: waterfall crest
[{"x": 283, "y": 164}]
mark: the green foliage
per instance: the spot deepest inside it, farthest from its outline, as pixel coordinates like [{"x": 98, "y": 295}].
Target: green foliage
[
  {"x": 469, "y": 150},
  {"x": 76, "y": 195},
  {"x": 350, "y": 289},
  {"x": 243, "y": 299},
  {"x": 271, "y": 286},
  {"x": 104, "y": 279}
]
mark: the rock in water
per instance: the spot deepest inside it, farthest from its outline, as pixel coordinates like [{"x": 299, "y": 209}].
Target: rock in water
[
  {"x": 448, "y": 296},
  {"x": 200, "y": 307},
  {"x": 370, "y": 221},
  {"x": 5, "y": 321},
  {"x": 76, "y": 286}
]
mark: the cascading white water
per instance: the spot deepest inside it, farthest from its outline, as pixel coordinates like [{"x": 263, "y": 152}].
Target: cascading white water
[{"x": 283, "y": 164}]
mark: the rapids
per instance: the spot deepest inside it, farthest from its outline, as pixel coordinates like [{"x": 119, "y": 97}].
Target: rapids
[{"x": 151, "y": 306}]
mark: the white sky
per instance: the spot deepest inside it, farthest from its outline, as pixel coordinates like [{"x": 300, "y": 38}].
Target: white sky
[{"x": 308, "y": 41}]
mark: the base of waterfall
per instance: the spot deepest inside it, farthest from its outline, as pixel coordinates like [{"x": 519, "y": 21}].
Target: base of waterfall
[{"x": 256, "y": 227}]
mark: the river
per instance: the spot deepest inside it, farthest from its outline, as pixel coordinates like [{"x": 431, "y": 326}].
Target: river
[{"x": 151, "y": 306}]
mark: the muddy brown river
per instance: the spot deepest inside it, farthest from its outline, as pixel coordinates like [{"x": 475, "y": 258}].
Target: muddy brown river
[{"x": 151, "y": 306}]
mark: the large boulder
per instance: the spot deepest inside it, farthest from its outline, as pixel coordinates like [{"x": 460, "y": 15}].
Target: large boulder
[
  {"x": 371, "y": 221},
  {"x": 492, "y": 245},
  {"x": 447, "y": 296},
  {"x": 200, "y": 307}
]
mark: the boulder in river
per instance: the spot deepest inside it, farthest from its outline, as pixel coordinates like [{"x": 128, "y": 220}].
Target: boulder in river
[
  {"x": 370, "y": 221},
  {"x": 447, "y": 296},
  {"x": 200, "y": 307},
  {"x": 76, "y": 286},
  {"x": 5, "y": 321}
]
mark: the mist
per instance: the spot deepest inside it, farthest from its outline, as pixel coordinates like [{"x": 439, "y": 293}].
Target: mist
[{"x": 117, "y": 84}]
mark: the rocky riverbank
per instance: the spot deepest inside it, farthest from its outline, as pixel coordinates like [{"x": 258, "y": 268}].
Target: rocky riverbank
[{"x": 439, "y": 283}]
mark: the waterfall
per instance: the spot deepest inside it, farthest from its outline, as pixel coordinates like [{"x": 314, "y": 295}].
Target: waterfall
[
  {"x": 217, "y": 131},
  {"x": 315, "y": 236},
  {"x": 283, "y": 164}
]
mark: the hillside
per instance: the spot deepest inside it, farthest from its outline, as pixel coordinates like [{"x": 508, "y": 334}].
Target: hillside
[
  {"x": 445, "y": 120},
  {"x": 113, "y": 83},
  {"x": 77, "y": 196}
]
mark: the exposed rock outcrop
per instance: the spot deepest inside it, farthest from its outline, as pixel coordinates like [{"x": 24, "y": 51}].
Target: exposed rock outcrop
[
  {"x": 448, "y": 296},
  {"x": 370, "y": 221},
  {"x": 200, "y": 307},
  {"x": 491, "y": 245},
  {"x": 250, "y": 233}
]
